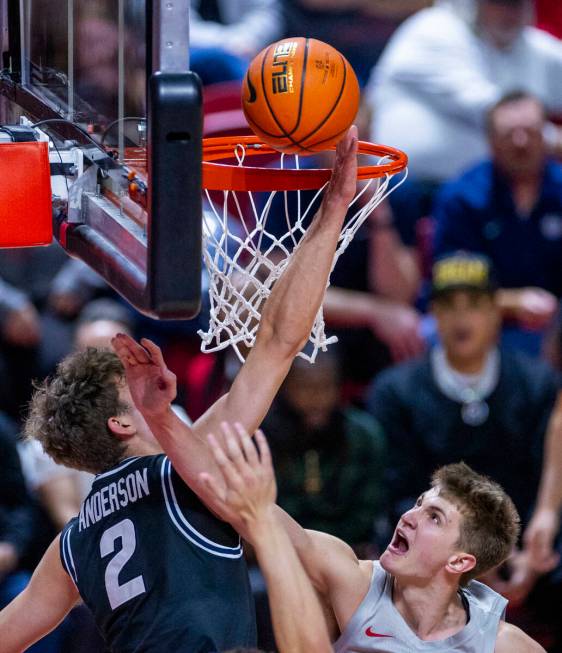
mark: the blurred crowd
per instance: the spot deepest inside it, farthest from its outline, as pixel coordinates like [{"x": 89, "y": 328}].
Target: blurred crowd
[{"x": 446, "y": 304}]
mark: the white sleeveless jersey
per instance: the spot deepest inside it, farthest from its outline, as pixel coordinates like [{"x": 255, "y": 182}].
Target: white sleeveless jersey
[{"x": 377, "y": 626}]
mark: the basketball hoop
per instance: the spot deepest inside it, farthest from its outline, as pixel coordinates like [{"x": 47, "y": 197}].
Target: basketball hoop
[{"x": 242, "y": 255}]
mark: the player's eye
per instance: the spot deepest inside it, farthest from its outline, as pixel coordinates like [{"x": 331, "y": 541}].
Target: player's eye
[{"x": 435, "y": 517}]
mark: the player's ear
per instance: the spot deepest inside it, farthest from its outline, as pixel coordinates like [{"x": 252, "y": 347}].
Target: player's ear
[
  {"x": 121, "y": 426},
  {"x": 460, "y": 563}
]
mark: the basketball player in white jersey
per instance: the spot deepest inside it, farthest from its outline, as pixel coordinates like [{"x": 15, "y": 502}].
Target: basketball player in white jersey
[{"x": 421, "y": 595}]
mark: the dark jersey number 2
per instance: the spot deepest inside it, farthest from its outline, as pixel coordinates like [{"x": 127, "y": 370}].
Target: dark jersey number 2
[{"x": 117, "y": 593}]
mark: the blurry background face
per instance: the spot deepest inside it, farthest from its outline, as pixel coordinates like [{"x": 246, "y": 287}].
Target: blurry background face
[
  {"x": 313, "y": 391},
  {"x": 516, "y": 138},
  {"x": 98, "y": 334},
  {"x": 468, "y": 323},
  {"x": 501, "y": 21}
]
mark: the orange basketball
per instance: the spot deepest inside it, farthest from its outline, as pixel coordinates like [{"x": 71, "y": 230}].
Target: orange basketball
[{"x": 300, "y": 95}]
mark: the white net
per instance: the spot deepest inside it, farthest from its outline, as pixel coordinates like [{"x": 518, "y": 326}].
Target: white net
[{"x": 245, "y": 255}]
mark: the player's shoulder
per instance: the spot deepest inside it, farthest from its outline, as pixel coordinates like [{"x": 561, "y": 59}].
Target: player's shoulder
[
  {"x": 64, "y": 545},
  {"x": 511, "y": 639},
  {"x": 332, "y": 549}
]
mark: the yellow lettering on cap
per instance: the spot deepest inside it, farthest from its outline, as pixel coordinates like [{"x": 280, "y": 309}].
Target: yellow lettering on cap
[{"x": 460, "y": 272}]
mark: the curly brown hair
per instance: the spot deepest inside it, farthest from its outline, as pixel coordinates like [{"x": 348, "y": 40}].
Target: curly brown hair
[
  {"x": 490, "y": 523},
  {"x": 68, "y": 413}
]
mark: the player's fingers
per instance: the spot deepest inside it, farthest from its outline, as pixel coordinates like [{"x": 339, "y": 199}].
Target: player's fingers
[
  {"x": 230, "y": 474},
  {"x": 122, "y": 351},
  {"x": 154, "y": 351},
  {"x": 234, "y": 448},
  {"x": 344, "y": 176},
  {"x": 347, "y": 144},
  {"x": 216, "y": 489},
  {"x": 248, "y": 446},
  {"x": 264, "y": 450},
  {"x": 133, "y": 351}
]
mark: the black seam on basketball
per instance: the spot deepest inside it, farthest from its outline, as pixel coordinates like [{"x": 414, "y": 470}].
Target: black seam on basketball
[
  {"x": 264, "y": 89},
  {"x": 334, "y": 107},
  {"x": 329, "y": 138},
  {"x": 253, "y": 124},
  {"x": 251, "y": 89},
  {"x": 300, "y": 147},
  {"x": 303, "y": 80}
]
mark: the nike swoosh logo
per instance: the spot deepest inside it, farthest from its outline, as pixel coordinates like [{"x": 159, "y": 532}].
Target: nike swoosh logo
[
  {"x": 253, "y": 95},
  {"x": 371, "y": 633}
]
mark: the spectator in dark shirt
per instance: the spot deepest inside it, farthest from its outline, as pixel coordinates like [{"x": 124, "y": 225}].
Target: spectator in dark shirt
[
  {"x": 329, "y": 459},
  {"x": 469, "y": 400}
]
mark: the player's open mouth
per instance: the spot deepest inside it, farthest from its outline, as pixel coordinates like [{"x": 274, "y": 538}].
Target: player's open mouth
[{"x": 399, "y": 545}]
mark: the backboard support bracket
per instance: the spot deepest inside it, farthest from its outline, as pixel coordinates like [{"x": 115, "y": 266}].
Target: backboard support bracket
[{"x": 147, "y": 266}]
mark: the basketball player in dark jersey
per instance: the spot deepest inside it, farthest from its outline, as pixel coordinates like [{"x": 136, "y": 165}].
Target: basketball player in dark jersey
[{"x": 158, "y": 570}]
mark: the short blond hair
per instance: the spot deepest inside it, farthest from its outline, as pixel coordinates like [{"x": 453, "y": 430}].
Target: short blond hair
[{"x": 490, "y": 522}]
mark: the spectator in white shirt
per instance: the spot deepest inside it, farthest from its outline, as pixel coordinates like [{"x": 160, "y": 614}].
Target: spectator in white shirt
[
  {"x": 446, "y": 66},
  {"x": 244, "y": 26},
  {"x": 226, "y": 34}
]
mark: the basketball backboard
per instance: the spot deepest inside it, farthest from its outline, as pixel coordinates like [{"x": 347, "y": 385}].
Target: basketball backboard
[{"x": 109, "y": 81}]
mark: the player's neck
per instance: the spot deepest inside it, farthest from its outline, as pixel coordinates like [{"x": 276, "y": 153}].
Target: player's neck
[
  {"x": 433, "y": 611},
  {"x": 138, "y": 447}
]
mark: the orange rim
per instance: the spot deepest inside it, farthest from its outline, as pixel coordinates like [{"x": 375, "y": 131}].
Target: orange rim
[{"x": 230, "y": 176}]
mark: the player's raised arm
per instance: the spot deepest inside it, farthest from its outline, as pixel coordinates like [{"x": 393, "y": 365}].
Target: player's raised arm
[
  {"x": 290, "y": 310},
  {"x": 285, "y": 325},
  {"x": 42, "y": 605},
  {"x": 246, "y": 498},
  {"x": 330, "y": 563}
]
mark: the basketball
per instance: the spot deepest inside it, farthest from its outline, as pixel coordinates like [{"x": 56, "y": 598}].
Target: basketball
[{"x": 300, "y": 95}]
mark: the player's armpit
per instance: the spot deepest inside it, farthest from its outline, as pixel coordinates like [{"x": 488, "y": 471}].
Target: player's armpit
[
  {"x": 43, "y": 604},
  {"x": 511, "y": 639}
]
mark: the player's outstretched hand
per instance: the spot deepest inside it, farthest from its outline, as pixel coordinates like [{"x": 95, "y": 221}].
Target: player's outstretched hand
[
  {"x": 248, "y": 493},
  {"x": 152, "y": 385},
  {"x": 343, "y": 183}
]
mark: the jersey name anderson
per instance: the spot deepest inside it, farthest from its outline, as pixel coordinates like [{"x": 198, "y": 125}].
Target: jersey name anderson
[{"x": 113, "y": 497}]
